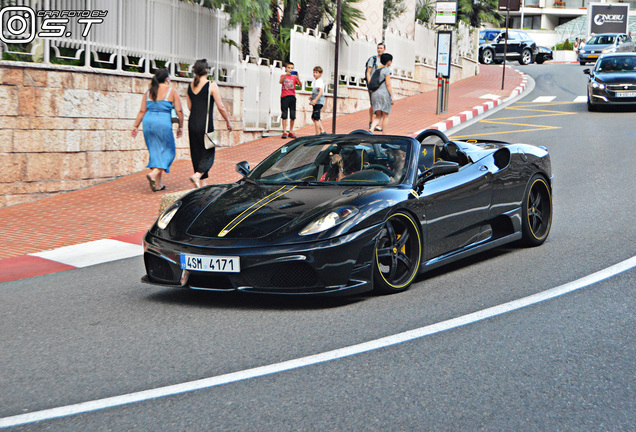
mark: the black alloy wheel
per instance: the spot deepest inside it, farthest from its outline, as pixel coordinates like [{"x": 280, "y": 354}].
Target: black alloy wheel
[
  {"x": 398, "y": 253},
  {"x": 487, "y": 56},
  {"x": 537, "y": 212}
]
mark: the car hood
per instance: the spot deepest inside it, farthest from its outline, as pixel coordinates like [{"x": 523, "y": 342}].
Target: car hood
[
  {"x": 246, "y": 210},
  {"x": 596, "y": 48},
  {"x": 615, "y": 77}
]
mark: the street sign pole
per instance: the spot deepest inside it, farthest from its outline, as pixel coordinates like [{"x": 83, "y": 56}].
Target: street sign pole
[{"x": 336, "y": 78}]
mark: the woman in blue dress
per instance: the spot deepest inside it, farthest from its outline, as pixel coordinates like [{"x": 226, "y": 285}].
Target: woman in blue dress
[{"x": 155, "y": 111}]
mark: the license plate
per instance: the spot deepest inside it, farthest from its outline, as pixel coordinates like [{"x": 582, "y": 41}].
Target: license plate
[
  {"x": 625, "y": 94},
  {"x": 211, "y": 263},
  {"x": 592, "y": 56}
]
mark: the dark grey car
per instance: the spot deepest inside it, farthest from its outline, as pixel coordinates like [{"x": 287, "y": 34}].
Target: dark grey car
[
  {"x": 604, "y": 43},
  {"x": 612, "y": 81}
]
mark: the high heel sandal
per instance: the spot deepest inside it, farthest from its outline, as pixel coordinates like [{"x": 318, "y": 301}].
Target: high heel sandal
[{"x": 152, "y": 183}]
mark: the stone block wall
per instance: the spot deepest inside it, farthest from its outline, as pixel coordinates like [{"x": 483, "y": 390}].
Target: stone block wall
[{"x": 63, "y": 130}]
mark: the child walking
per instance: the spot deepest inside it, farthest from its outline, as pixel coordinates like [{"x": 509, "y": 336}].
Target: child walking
[
  {"x": 288, "y": 82},
  {"x": 317, "y": 99}
]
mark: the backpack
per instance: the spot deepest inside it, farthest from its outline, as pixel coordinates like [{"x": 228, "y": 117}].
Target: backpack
[
  {"x": 375, "y": 63},
  {"x": 375, "y": 82}
]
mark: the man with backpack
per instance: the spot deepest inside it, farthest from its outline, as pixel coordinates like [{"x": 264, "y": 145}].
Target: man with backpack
[
  {"x": 382, "y": 96},
  {"x": 371, "y": 66}
]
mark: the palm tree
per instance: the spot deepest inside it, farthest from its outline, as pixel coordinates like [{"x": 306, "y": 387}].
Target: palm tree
[{"x": 476, "y": 12}]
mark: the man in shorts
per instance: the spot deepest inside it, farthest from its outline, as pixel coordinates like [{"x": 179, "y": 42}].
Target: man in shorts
[{"x": 371, "y": 66}]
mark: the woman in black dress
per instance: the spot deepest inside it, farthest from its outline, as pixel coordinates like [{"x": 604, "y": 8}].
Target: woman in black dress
[{"x": 199, "y": 92}]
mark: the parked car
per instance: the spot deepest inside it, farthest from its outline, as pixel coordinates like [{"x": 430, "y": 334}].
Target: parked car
[
  {"x": 604, "y": 43},
  {"x": 543, "y": 55},
  {"x": 344, "y": 214},
  {"x": 612, "y": 81},
  {"x": 492, "y": 44}
]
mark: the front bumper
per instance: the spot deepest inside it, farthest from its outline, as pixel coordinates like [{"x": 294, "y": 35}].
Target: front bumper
[
  {"x": 339, "y": 266},
  {"x": 608, "y": 97},
  {"x": 588, "y": 57}
]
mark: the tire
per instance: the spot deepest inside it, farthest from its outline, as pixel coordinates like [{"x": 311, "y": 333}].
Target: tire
[
  {"x": 539, "y": 60},
  {"x": 537, "y": 212},
  {"x": 582, "y": 63},
  {"x": 487, "y": 56},
  {"x": 590, "y": 106},
  {"x": 397, "y": 254},
  {"x": 526, "y": 57}
]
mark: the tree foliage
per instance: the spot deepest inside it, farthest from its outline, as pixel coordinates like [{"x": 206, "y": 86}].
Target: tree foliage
[
  {"x": 242, "y": 12},
  {"x": 392, "y": 10},
  {"x": 477, "y": 12},
  {"x": 425, "y": 10}
]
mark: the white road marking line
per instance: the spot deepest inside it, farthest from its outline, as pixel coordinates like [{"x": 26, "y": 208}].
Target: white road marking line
[
  {"x": 410, "y": 335},
  {"x": 581, "y": 99},
  {"x": 91, "y": 253},
  {"x": 542, "y": 99}
]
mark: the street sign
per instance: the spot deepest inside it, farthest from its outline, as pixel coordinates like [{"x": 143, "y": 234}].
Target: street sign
[
  {"x": 509, "y": 5},
  {"x": 446, "y": 12},
  {"x": 444, "y": 43}
]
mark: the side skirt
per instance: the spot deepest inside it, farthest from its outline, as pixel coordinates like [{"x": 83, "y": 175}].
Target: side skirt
[{"x": 467, "y": 251}]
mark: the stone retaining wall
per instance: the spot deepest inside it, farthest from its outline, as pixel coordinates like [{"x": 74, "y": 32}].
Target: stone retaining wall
[{"x": 64, "y": 129}]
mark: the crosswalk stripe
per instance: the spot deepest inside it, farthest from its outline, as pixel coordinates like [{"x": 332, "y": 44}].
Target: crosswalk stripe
[
  {"x": 581, "y": 99},
  {"x": 542, "y": 99},
  {"x": 91, "y": 253}
]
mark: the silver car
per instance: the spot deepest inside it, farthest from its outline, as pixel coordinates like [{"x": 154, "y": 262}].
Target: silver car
[{"x": 604, "y": 43}]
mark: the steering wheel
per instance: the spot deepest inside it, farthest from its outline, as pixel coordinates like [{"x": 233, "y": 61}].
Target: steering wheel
[
  {"x": 432, "y": 132},
  {"x": 382, "y": 168}
]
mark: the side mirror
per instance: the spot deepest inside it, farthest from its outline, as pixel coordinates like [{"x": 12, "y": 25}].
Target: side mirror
[
  {"x": 438, "y": 169},
  {"x": 243, "y": 168},
  {"x": 586, "y": 71}
]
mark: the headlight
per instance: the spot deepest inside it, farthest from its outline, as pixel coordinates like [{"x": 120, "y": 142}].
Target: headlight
[
  {"x": 167, "y": 215},
  {"x": 330, "y": 220},
  {"x": 609, "y": 49},
  {"x": 598, "y": 86}
]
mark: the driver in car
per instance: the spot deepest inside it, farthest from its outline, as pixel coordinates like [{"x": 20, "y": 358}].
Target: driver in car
[{"x": 397, "y": 160}]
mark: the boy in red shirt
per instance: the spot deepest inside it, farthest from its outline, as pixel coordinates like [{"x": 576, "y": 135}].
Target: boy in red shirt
[{"x": 288, "y": 98}]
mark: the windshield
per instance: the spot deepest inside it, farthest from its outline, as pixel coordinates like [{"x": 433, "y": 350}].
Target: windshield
[
  {"x": 601, "y": 40},
  {"x": 336, "y": 159},
  {"x": 616, "y": 64}
]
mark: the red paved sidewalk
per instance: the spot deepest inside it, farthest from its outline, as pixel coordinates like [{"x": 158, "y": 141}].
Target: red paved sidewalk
[{"x": 124, "y": 208}]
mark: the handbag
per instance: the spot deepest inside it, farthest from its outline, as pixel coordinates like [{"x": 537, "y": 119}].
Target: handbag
[
  {"x": 211, "y": 139},
  {"x": 175, "y": 117}
]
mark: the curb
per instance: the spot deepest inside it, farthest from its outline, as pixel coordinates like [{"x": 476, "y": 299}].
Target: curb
[{"x": 464, "y": 116}]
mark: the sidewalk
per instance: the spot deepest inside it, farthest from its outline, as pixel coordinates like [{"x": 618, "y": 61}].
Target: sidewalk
[{"x": 123, "y": 209}]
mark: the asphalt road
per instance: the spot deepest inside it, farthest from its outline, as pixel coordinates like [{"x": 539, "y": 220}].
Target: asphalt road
[{"x": 561, "y": 364}]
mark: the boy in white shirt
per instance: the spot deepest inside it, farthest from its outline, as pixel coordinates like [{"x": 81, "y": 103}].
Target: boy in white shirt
[{"x": 317, "y": 99}]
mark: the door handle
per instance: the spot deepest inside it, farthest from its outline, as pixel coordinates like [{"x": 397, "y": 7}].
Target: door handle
[{"x": 483, "y": 168}]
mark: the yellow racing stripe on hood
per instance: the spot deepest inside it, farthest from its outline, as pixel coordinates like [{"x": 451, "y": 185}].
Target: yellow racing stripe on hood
[{"x": 244, "y": 215}]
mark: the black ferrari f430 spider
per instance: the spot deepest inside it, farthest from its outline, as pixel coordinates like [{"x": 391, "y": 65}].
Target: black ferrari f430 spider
[{"x": 344, "y": 214}]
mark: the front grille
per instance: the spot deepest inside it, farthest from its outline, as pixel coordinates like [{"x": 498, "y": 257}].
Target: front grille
[
  {"x": 622, "y": 87},
  {"x": 296, "y": 274},
  {"x": 161, "y": 270},
  {"x": 209, "y": 280}
]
